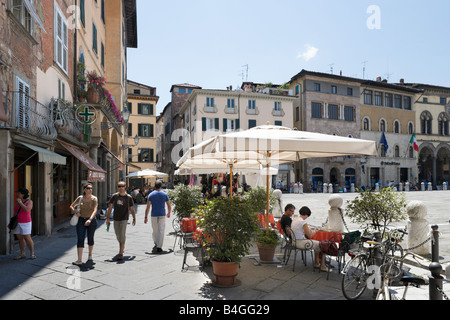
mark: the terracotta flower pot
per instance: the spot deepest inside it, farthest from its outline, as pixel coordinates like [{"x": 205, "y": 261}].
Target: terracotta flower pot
[
  {"x": 266, "y": 253},
  {"x": 225, "y": 273},
  {"x": 93, "y": 95}
]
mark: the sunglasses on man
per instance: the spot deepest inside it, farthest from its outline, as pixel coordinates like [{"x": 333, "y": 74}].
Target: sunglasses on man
[{"x": 120, "y": 186}]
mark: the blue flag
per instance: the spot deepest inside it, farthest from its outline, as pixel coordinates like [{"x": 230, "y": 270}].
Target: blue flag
[{"x": 384, "y": 142}]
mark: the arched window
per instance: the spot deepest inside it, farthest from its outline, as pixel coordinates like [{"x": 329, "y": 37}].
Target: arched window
[
  {"x": 382, "y": 125},
  {"x": 396, "y": 126},
  {"x": 410, "y": 128},
  {"x": 317, "y": 178},
  {"x": 366, "y": 124},
  {"x": 397, "y": 152},
  {"x": 411, "y": 152},
  {"x": 443, "y": 124},
  {"x": 425, "y": 122}
]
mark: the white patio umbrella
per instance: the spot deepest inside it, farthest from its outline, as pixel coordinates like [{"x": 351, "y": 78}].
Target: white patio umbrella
[
  {"x": 147, "y": 173},
  {"x": 194, "y": 161},
  {"x": 273, "y": 145}
]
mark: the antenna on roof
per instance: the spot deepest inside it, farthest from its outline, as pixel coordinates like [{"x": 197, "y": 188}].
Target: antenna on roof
[
  {"x": 364, "y": 68},
  {"x": 246, "y": 73},
  {"x": 331, "y": 67}
]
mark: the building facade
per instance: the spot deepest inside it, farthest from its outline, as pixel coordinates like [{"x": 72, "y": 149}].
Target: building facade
[
  {"x": 45, "y": 50},
  {"x": 142, "y": 101},
  {"x": 327, "y": 104},
  {"x": 388, "y": 116},
  {"x": 432, "y": 133},
  {"x": 208, "y": 113}
]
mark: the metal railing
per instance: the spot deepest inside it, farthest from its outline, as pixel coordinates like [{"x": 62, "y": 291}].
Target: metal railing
[{"x": 30, "y": 116}]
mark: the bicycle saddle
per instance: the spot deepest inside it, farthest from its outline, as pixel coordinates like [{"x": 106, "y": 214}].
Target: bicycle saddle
[{"x": 414, "y": 280}]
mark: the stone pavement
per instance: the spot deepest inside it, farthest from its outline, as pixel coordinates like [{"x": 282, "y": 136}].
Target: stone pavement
[{"x": 145, "y": 275}]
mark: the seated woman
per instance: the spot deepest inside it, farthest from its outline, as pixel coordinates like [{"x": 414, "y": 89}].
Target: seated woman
[{"x": 302, "y": 231}]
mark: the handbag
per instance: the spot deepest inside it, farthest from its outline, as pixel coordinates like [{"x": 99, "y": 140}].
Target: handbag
[
  {"x": 329, "y": 247},
  {"x": 74, "y": 219},
  {"x": 14, "y": 221}
]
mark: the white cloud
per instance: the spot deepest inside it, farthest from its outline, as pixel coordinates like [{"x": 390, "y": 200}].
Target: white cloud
[{"x": 309, "y": 53}]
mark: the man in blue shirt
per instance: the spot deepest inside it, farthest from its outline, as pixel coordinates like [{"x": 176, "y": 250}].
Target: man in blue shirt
[{"x": 158, "y": 200}]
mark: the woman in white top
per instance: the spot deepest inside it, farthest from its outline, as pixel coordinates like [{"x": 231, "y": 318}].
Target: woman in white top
[{"x": 302, "y": 232}]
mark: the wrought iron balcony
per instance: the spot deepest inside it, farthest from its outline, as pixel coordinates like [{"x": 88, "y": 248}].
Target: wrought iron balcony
[
  {"x": 30, "y": 116},
  {"x": 64, "y": 117}
]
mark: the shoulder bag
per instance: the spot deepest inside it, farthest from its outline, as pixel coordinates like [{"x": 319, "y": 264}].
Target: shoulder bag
[{"x": 74, "y": 219}]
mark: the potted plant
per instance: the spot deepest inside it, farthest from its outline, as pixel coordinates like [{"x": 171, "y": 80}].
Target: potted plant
[
  {"x": 228, "y": 226},
  {"x": 95, "y": 82},
  {"x": 185, "y": 199},
  {"x": 267, "y": 239},
  {"x": 376, "y": 210}
]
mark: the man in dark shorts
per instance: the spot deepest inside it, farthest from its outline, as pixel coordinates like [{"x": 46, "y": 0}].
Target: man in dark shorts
[{"x": 122, "y": 203}]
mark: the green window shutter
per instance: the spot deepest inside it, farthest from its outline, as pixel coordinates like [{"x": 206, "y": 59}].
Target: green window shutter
[
  {"x": 216, "y": 123},
  {"x": 203, "y": 124},
  {"x": 225, "y": 122},
  {"x": 237, "y": 124}
]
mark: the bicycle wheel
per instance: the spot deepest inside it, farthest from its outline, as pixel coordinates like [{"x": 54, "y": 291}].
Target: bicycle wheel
[
  {"x": 394, "y": 256},
  {"x": 354, "y": 280}
]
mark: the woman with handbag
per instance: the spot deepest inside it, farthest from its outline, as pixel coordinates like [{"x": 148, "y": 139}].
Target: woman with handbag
[
  {"x": 23, "y": 229},
  {"x": 85, "y": 207}
]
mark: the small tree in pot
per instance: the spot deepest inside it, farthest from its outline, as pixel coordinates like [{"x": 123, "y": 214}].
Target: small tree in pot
[
  {"x": 228, "y": 227},
  {"x": 185, "y": 199},
  {"x": 266, "y": 239}
]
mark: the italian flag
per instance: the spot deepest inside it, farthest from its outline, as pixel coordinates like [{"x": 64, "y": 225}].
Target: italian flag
[{"x": 413, "y": 141}]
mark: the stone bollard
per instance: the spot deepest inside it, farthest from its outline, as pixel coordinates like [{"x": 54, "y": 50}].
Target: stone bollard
[
  {"x": 422, "y": 186},
  {"x": 435, "y": 281},
  {"x": 330, "y": 188},
  {"x": 444, "y": 186},
  {"x": 335, "y": 221},
  {"x": 277, "y": 211},
  {"x": 377, "y": 187},
  {"x": 300, "y": 188},
  {"x": 407, "y": 186},
  {"x": 400, "y": 187},
  {"x": 295, "y": 187},
  {"x": 352, "y": 188},
  {"x": 418, "y": 227},
  {"x": 430, "y": 186}
]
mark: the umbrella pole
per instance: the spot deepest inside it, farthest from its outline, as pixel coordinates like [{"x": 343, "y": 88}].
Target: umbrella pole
[
  {"x": 267, "y": 198},
  {"x": 231, "y": 181}
]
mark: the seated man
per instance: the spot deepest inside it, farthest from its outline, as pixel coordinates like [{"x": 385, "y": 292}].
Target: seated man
[
  {"x": 302, "y": 232},
  {"x": 286, "y": 219}
]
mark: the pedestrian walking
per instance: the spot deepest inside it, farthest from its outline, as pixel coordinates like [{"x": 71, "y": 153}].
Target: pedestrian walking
[
  {"x": 157, "y": 200},
  {"x": 23, "y": 229},
  {"x": 122, "y": 203},
  {"x": 87, "y": 223}
]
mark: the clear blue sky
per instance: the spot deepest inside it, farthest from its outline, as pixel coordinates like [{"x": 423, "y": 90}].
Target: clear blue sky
[{"x": 208, "y": 42}]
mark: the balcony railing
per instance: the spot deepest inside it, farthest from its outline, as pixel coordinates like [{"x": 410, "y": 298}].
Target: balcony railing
[
  {"x": 30, "y": 116},
  {"x": 64, "y": 118},
  {"x": 254, "y": 111},
  {"x": 210, "y": 109}
]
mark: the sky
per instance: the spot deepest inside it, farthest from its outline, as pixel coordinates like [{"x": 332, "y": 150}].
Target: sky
[{"x": 214, "y": 44}]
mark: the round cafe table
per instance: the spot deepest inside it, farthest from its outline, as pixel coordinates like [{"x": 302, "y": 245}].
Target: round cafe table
[{"x": 326, "y": 235}]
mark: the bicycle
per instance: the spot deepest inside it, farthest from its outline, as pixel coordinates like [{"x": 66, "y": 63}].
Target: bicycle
[
  {"x": 359, "y": 270},
  {"x": 389, "y": 271},
  {"x": 365, "y": 266}
]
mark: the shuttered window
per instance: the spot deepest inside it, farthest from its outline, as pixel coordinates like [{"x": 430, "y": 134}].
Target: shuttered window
[{"x": 61, "y": 39}]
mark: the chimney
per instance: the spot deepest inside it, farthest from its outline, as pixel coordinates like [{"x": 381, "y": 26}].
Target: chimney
[
  {"x": 402, "y": 81},
  {"x": 340, "y": 73},
  {"x": 379, "y": 79}
]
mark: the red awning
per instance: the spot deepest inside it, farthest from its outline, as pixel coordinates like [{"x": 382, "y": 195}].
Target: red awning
[{"x": 95, "y": 172}]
